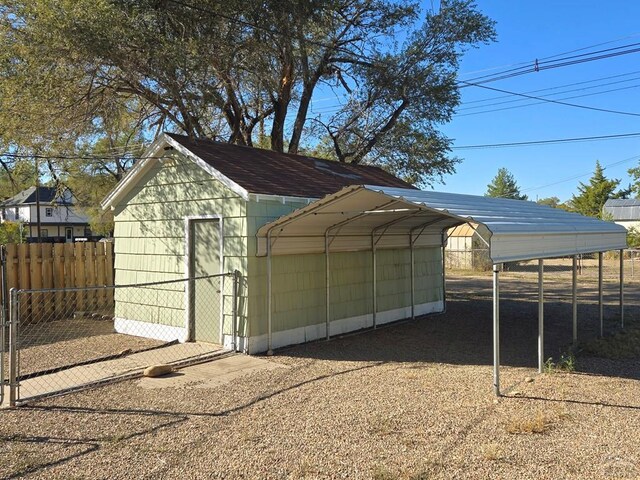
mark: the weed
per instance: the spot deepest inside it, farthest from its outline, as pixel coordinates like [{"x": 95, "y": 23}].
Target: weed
[
  {"x": 383, "y": 425},
  {"x": 566, "y": 363},
  {"x": 492, "y": 451},
  {"x": 539, "y": 423},
  {"x": 623, "y": 345},
  {"x": 424, "y": 475},
  {"x": 381, "y": 473}
]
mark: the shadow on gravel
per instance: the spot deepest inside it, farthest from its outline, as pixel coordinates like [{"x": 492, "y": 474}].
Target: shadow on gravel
[{"x": 463, "y": 335}]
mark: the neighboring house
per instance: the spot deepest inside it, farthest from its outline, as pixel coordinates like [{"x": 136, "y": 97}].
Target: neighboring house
[
  {"x": 322, "y": 247},
  {"x": 60, "y": 221},
  {"x": 625, "y": 212}
]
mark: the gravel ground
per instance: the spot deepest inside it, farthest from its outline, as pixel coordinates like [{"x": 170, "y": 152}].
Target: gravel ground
[
  {"x": 65, "y": 342},
  {"x": 410, "y": 401}
]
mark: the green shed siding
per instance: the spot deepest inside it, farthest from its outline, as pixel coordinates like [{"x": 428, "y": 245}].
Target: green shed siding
[
  {"x": 150, "y": 245},
  {"x": 298, "y": 281},
  {"x": 298, "y": 286}
]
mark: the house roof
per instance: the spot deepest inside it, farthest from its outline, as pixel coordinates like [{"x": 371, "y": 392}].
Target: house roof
[
  {"x": 356, "y": 216},
  {"x": 247, "y": 170},
  {"x": 272, "y": 173},
  {"x": 28, "y": 196},
  {"x": 623, "y": 208}
]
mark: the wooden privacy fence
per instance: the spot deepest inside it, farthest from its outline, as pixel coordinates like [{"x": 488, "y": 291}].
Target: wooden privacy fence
[{"x": 35, "y": 266}]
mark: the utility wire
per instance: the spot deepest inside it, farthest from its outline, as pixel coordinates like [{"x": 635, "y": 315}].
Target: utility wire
[
  {"x": 549, "y": 100},
  {"x": 557, "y": 87},
  {"x": 581, "y": 49},
  {"x": 547, "y": 142},
  {"x": 568, "y": 179},
  {"x": 72, "y": 157},
  {"x": 543, "y": 101},
  {"x": 537, "y": 66}
]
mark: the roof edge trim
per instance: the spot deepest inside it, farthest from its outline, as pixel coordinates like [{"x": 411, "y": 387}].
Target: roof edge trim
[
  {"x": 226, "y": 181},
  {"x": 130, "y": 179}
]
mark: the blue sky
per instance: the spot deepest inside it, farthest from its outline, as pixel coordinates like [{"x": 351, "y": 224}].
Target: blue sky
[{"x": 534, "y": 30}]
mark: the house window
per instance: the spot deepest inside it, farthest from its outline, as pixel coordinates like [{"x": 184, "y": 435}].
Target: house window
[
  {"x": 17, "y": 214},
  {"x": 48, "y": 212},
  {"x": 44, "y": 233}
]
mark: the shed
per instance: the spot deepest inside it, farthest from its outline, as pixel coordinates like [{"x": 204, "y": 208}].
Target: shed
[
  {"x": 323, "y": 247},
  {"x": 624, "y": 211}
]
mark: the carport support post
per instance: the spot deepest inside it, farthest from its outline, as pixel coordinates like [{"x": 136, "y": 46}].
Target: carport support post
[
  {"x": 574, "y": 299},
  {"x": 540, "y": 315},
  {"x": 326, "y": 283},
  {"x": 375, "y": 280},
  {"x": 269, "y": 301},
  {"x": 600, "y": 303},
  {"x": 496, "y": 330},
  {"x": 413, "y": 281},
  {"x": 621, "y": 288}
]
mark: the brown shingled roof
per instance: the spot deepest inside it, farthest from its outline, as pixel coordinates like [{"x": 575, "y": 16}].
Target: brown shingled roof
[{"x": 273, "y": 173}]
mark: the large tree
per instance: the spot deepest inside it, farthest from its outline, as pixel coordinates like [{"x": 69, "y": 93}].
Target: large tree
[
  {"x": 592, "y": 196},
  {"x": 504, "y": 185},
  {"x": 242, "y": 71}
]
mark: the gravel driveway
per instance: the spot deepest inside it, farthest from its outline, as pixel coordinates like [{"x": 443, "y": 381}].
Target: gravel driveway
[{"x": 410, "y": 401}]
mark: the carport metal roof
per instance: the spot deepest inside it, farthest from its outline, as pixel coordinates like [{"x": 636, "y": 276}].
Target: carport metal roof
[
  {"x": 515, "y": 229},
  {"x": 369, "y": 217}
]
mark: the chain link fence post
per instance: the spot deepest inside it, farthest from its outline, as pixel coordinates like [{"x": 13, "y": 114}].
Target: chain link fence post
[
  {"x": 3, "y": 320},
  {"x": 236, "y": 282},
  {"x": 13, "y": 347}
]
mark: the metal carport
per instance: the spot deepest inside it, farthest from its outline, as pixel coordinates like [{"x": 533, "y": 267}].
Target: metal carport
[{"x": 367, "y": 217}]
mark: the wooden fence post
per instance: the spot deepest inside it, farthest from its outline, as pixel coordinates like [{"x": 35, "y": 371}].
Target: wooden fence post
[
  {"x": 81, "y": 278},
  {"x": 58, "y": 276}
]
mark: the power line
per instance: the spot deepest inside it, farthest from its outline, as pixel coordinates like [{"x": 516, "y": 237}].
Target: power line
[
  {"x": 556, "y": 87},
  {"x": 543, "y": 101},
  {"x": 548, "y": 142},
  {"x": 568, "y": 179},
  {"x": 71, "y": 157},
  {"x": 549, "y": 100},
  {"x": 538, "y": 66},
  {"x": 633, "y": 35}
]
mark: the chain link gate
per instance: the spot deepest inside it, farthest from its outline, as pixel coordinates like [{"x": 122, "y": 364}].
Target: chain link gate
[
  {"x": 4, "y": 304},
  {"x": 63, "y": 340}
]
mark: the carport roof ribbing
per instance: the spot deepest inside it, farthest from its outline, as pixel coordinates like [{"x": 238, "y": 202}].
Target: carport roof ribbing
[{"x": 515, "y": 229}]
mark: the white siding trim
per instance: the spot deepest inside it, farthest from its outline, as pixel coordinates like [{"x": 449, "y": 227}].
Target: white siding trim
[
  {"x": 157, "y": 331},
  {"x": 294, "y": 336}
]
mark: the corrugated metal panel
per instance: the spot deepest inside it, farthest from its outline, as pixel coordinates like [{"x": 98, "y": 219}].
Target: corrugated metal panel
[
  {"x": 623, "y": 209},
  {"x": 519, "y": 230}
]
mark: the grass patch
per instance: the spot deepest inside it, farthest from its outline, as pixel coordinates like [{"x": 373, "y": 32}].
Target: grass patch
[
  {"x": 381, "y": 473},
  {"x": 383, "y": 425},
  {"x": 566, "y": 363},
  {"x": 538, "y": 424},
  {"x": 623, "y": 345},
  {"x": 492, "y": 452}
]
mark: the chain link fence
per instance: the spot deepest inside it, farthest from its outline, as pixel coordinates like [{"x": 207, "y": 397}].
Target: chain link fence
[{"x": 66, "y": 339}]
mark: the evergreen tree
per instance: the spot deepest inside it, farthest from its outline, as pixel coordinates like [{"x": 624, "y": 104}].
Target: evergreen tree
[
  {"x": 591, "y": 196},
  {"x": 553, "y": 202},
  {"x": 504, "y": 185}
]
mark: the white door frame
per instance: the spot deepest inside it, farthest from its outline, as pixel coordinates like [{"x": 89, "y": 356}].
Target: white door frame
[{"x": 189, "y": 221}]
